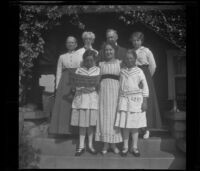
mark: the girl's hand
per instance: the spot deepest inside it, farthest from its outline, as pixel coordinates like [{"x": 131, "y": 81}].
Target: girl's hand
[{"x": 144, "y": 104}]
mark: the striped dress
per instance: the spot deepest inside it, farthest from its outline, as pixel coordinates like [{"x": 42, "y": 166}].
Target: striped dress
[{"x": 108, "y": 98}]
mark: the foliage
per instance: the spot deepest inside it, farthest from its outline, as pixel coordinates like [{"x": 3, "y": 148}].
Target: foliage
[
  {"x": 169, "y": 24},
  {"x": 28, "y": 156},
  {"x": 36, "y": 19}
]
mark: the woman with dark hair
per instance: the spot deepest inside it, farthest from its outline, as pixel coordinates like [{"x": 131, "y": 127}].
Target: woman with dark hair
[
  {"x": 86, "y": 103},
  {"x": 108, "y": 98}
]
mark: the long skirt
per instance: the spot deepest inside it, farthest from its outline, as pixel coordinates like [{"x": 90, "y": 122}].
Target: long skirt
[
  {"x": 153, "y": 113},
  {"x": 61, "y": 113}
]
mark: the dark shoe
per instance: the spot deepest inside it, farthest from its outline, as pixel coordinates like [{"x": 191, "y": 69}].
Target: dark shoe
[
  {"x": 79, "y": 151},
  {"x": 135, "y": 152},
  {"x": 124, "y": 152},
  {"x": 92, "y": 151}
]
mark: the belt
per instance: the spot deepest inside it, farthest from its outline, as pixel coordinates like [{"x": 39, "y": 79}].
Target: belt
[{"x": 110, "y": 76}]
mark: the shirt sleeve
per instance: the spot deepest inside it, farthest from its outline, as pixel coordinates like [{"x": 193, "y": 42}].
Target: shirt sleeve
[
  {"x": 145, "y": 89},
  {"x": 59, "y": 71},
  {"x": 151, "y": 60}
]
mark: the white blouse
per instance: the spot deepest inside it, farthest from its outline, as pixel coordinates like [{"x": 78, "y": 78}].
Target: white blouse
[
  {"x": 131, "y": 96},
  {"x": 67, "y": 60},
  {"x": 145, "y": 57},
  {"x": 86, "y": 100}
]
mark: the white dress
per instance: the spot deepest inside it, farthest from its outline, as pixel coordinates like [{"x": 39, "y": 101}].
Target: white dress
[
  {"x": 85, "y": 105},
  {"x": 129, "y": 113}
]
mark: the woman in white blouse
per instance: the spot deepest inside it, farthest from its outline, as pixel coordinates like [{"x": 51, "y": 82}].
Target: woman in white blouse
[
  {"x": 67, "y": 63},
  {"x": 145, "y": 60}
]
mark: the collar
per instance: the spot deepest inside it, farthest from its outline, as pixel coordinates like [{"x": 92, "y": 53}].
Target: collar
[
  {"x": 71, "y": 52},
  {"x": 89, "y": 68}
]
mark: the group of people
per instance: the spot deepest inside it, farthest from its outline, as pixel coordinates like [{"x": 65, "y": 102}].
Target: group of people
[{"x": 123, "y": 102}]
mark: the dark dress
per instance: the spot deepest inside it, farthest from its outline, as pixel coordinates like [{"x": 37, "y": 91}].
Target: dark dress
[
  {"x": 153, "y": 113},
  {"x": 61, "y": 113}
]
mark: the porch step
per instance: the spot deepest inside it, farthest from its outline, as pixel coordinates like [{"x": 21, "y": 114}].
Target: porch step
[
  {"x": 57, "y": 152},
  {"x": 51, "y": 146},
  {"x": 152, "y": 160},
  {"x": 156, "y": 153}
]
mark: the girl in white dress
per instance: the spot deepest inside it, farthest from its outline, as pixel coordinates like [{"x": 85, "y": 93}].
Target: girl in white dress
[
  {"x": 132, "y": 102},
  {"x": 85, "y": 104}
]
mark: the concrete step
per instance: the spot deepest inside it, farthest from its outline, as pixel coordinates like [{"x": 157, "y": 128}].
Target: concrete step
[
  {"x": 57, "y": 152},
  {"x": 149, "y": 160},
  {"x": 51, "y": 146}
]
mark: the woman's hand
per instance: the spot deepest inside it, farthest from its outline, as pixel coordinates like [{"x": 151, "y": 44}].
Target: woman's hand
[{"x": 144, "y": 104}]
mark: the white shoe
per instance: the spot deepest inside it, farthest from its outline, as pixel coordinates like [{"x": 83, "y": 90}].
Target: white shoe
[{"x": 146, "y": 135}]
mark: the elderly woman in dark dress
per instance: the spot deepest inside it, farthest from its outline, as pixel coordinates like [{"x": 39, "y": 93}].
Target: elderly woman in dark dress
[{"x": 61, "y": 113}]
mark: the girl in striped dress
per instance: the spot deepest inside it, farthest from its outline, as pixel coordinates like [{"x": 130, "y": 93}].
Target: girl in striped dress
[
  {"x": 85, "y": 104},
  {"x": 108, "y": 97},
  {"x": 132, "y": 103}
]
